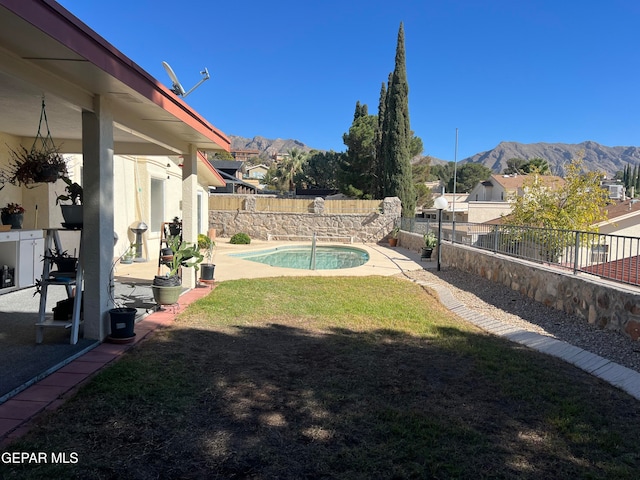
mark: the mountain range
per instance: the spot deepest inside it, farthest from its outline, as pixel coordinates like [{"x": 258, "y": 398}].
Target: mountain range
[{"x": 596, "y": 157}]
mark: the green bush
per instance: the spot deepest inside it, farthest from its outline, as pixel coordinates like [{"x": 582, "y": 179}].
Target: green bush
[{"x": 240, "y": 239}]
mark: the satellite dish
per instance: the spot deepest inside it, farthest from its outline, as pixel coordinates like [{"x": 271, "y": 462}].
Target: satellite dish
[{"x": 176, "y": 86}]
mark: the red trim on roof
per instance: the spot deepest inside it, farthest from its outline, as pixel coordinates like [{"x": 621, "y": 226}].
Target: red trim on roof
[{"x": 203, "y": 159}]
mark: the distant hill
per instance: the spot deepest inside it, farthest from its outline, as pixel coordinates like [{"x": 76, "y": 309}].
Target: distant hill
[
  {"x": 596, "y": 157},
  {"x": 266, "y": 146}
]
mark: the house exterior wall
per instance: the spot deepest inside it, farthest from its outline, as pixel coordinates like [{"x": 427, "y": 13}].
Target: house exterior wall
[
  {"x": 629, "y": 227},
  {"x": 132, "y": 198},
  {"x": 480, "y": 212},
  {"x": 487, "y": 193}
]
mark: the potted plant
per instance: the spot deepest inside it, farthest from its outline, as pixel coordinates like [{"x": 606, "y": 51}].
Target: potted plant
[
  {"x": 430, "y": 242},
  {"x": 393, "y": 236},
  {"x": 167, "y": 288},
  {"x": 26, "y": 167},
  {"x": 175, "y": 227},
  {"x": 206, "y": 245},
  {"x": 127, "y": 257},
  {"x": 73, "y": 212},
  {"x": 64, "y": 262},
  {"x": 13, "y": 214}
]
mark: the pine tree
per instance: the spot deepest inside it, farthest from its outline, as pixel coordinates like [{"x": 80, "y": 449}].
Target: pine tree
[
  {"x": 397, "y": 135},
  {"x": 356, "y": 175}
]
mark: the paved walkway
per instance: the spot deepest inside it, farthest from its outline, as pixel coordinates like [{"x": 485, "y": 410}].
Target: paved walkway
[{"x": 52, "y": 391}]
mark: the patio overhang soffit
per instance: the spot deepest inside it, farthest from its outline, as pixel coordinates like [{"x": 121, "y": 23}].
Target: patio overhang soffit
[{"x": 45, "y": 50}]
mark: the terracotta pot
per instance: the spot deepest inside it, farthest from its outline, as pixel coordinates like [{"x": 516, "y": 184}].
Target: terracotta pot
[{"x": 393, "y": 242}]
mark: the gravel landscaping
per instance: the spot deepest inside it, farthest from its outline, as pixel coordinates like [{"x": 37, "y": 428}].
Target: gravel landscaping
[{"x": 509, "y": 306}]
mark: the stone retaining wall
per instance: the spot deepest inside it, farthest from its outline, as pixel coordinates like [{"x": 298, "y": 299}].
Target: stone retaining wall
[
  {"x": 362, "y": 227},
  {"x": 600, "y": 302}
]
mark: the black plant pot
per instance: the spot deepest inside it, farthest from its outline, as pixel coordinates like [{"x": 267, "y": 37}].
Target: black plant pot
[
  {"x": 13, "y": 219},
  {"x": 206, "y": 271},
  {"x": 66, "y": 265},
  {"x": 73, "y": 215},
  {"x": 426, "y": 252},
  {"x": 123, "y": 320},
  {"x": 164, "y": 281}
]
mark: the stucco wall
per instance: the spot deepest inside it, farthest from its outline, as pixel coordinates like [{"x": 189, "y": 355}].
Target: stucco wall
[
  {"x": 599, "y": 302},
  {"x": 362, "y": 227}
]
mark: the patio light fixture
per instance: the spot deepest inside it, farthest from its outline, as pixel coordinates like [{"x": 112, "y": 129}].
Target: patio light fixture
[{"x": 440, "y": 203}]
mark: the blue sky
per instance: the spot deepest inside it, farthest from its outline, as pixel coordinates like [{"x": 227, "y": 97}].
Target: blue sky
[{"x": 525, "y": 71}]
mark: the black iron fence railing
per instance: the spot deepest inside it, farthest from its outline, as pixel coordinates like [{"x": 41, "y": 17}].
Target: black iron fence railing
[{"x": 614, "y": 257}]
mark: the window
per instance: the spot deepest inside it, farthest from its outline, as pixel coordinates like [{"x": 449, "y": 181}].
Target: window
[
  {"x": 599, "y": 253},
  {"x": 156, "y": 204}
]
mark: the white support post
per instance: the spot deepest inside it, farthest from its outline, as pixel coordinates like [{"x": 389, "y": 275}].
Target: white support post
[
  {"x": 97, "y": 151},
  {"x": 190, "y": 207}
]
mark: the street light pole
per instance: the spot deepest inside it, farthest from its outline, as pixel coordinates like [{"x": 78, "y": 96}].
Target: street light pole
[{"x": 440, "y": 203}]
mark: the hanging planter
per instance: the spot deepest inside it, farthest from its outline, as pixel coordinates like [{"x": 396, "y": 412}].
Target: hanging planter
[{"x": 41, "y": 164}]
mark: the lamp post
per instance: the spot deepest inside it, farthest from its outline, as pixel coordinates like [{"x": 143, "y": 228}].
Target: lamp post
[{"x": 440, "y": 203}]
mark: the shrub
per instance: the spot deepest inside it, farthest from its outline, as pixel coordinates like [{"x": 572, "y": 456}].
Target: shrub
[{"x": 240, "y": 239}]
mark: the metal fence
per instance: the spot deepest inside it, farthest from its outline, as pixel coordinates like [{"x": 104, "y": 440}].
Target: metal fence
[{"x": 613, "y": 257}]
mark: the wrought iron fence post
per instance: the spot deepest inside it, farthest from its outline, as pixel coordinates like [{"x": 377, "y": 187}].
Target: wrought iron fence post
[
  {"x": 495, "y": 239},
  {"x": 576, "y": 254}
]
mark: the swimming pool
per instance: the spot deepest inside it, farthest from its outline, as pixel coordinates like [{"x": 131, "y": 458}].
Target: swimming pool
[{"x": 300, "y": 257}]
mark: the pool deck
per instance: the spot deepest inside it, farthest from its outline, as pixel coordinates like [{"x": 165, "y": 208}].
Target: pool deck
[{"x": 382, "y": 261}]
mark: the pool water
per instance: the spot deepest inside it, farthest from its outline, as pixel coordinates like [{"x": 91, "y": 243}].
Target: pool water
[{"x": 327, "y": 257}]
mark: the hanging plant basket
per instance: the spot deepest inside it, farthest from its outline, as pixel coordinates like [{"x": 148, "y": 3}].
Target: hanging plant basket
[{"x": 41, "y": 164}]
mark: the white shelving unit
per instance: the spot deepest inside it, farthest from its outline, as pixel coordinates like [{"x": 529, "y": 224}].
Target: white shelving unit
[{"x": 22, "y": 250}]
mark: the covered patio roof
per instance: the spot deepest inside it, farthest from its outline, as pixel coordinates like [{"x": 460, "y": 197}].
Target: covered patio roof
[
  {"x": 99, "y": 103},
  {"x": 45, "y": 50}
]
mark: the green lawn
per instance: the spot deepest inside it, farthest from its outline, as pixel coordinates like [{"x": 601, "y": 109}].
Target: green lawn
[{"x": 335, "y": 378}]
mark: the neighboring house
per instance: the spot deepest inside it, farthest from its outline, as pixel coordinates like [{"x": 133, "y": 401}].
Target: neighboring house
[
  {"x": 244, "y": 155},
  {"x": 459, "y": 201},
  {"x": 623, "y": 218},
  {"x": 257, "y": 171},
  {"x": 231, "y": 172},
  {"x": 499, "y": 188}
]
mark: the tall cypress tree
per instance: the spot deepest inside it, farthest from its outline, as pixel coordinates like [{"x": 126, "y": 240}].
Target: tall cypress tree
[
  {"x": 378, "y": 165},
  {"x": 397, "y": 136},
  {"x": 361, "y": 111}
]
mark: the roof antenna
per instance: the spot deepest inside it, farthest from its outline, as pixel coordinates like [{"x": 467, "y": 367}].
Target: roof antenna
[{"x": 176, "y": 86}]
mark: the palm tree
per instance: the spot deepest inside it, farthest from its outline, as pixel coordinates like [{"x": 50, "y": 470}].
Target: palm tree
[{"x": 291, "y": 166}]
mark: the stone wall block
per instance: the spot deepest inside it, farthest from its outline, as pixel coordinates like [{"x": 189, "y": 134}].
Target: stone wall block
[{"x": 598, "y": 303}]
